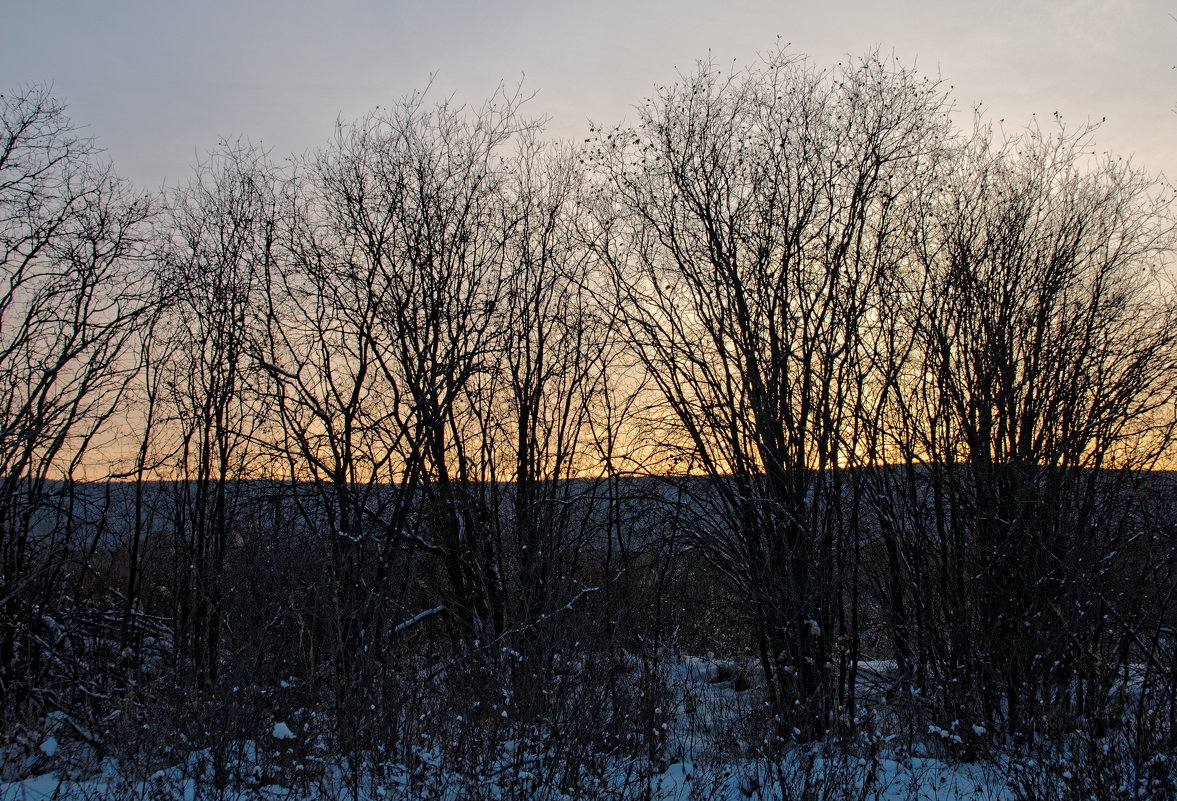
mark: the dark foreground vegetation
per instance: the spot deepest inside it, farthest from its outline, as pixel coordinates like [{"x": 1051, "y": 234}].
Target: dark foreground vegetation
[{"x": 429, "y": 463}]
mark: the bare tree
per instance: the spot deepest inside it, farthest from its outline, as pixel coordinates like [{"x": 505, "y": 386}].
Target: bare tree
[
  {"x": 217, "y": 250},
  {"x": 546, "y": 380},
  {"x": 761, "y": 210},
  {"x": 71, "y": 294},
  {"x": 386, "y": 323},
  {"x": 1041, "y": 379}
]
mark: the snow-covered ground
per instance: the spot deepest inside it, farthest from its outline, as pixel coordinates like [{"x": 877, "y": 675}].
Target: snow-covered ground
[
  {"x": 700, "y": 758},
  {"x": 891, "y": 780}
]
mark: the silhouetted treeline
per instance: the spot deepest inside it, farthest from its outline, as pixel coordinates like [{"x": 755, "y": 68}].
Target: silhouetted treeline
[{"x": 442, "y": 420}]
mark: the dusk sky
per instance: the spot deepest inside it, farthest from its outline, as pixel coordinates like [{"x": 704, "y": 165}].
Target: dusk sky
[{"x": 158, "y": 82}]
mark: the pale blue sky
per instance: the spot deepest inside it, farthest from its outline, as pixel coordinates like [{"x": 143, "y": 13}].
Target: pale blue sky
[{"x": 157, "y": 82}]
